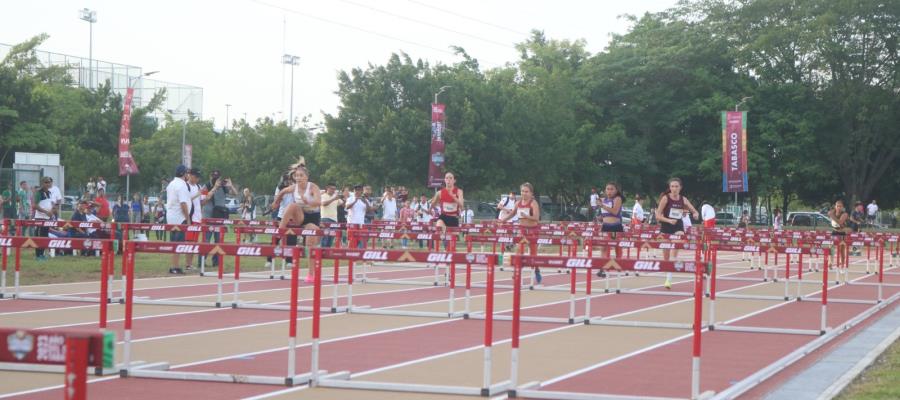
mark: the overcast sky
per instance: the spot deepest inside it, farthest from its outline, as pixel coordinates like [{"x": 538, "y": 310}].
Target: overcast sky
[{"x": 232, "y": 48}]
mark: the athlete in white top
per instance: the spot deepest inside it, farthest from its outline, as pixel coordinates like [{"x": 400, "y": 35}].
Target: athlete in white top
[{"x": 304, "y": 210}]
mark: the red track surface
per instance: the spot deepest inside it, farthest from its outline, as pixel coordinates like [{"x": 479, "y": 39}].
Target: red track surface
[{"x": 727, "y": 356}]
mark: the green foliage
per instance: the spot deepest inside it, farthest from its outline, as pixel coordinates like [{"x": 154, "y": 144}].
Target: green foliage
[{"x": 824, "y": 113}]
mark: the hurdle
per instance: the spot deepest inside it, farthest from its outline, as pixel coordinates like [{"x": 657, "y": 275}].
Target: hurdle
[
  {"x": 291, "y": 378},
  {"x": 754, "y": 329},
  {"x": 345, "y": 380},
  {"x": 18, "y": 243},
  {"x": 68, "y": 352},
  {"x": 588, "y": 264},
  {"x": 355, "y": 236},
  {"x": 643, "y": 265}
]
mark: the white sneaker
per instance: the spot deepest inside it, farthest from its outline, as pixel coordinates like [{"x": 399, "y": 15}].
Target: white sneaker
[{"x": 268, "y": 265}]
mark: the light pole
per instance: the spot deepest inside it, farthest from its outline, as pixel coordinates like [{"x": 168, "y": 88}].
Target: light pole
[
  {"x": 441, "y": 90},
  {"x": 131, "y": 83},
  {"x": 91, "y": 17},
  {"x": 293, "y": 61},
  {"x": 227, "y": 108}
]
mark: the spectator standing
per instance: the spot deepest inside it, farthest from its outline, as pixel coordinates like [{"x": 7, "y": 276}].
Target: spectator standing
[
  {"x": 708, "y": 213},
  {"x": 341, "y": 211},
  {"x": 121, "y": 211},
  {"x": 137, "y": 210},
  {"x": 389, "y": 204},
  {"x": 25, "y": 199},
  {"x": 637, "y": 212},
  {"x": 595, "y": 203},
  {"x": 56, "y": 197},
  {"x": 91, "y": 187},
  {"x": 331, "y": 202},
  {"x": 872, "y": 211},
  {"x": 406, "y": 217},
  {"x": 146, "y": 210},
  {"x": 248, "y": 209},
  {"x": 101, "y": 205},
  {"x": 744, "y": 222},
  {"x": 159, "y": 213},
  {"x": 219, "y": 188},
  {"x": 43, "y": 211},
  {"x": 507, "y": 207},
  {"x": 178, "y": 203},
  {"x": 8, "y": 199},
  {"x": 101, "y": 184},
  {"x": 468, "y": 215},
  {"x": 776, "y": 220}
]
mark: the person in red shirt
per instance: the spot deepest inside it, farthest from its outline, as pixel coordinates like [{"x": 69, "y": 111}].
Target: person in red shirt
[
  {"x": 102, "y": 205},
  {"x": 450, "y": 200}
]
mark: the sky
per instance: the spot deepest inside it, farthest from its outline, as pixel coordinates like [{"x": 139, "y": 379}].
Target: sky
[{"x": 233, "y": 48}]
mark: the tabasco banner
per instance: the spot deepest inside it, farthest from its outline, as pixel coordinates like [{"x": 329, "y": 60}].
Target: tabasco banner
[
  {"x": 127, "y": 166},
  {"x": 734, "y": 151},
  {"x": 437, "y": 159}
]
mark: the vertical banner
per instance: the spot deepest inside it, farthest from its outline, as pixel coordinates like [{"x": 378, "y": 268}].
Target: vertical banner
[
  {"x": 734, "y": 151},
  {"x": 127, "y": 166},
  {"x": 437, "y": 159},
  {"x": 188, "y": 155}
]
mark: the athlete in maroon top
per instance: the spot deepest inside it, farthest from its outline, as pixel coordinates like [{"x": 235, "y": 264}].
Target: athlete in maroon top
[{"x": 450, "y": 201}]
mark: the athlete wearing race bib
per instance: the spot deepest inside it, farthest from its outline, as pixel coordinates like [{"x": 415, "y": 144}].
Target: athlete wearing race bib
[
  {"x": 528, "y": 212},
  {"x": 450, "y": 201},
  {"x": 671, "y": 208}
]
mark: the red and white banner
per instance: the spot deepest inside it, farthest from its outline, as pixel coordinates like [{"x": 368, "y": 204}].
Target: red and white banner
[
  {"x": 734, "y": 151},
  {"x": 127, "y": 166},
  {"x": 438, "y": 158}
]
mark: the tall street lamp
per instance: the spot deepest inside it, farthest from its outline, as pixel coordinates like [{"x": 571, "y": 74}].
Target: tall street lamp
[
  {"x": 441, "y": 90},
  {"x": 293, "y": 61},
  {"x": 227, "y": 108},
  {"x": 91, "y": 17}
]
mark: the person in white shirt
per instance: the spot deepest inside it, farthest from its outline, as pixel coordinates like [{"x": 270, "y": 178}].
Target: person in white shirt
[
  {"x": 507, "y": 207},
  {"x": 55, "y": 197},
  {"x": 468, "y": 215},
  {"x": 178, "y": 203},
  {"x": 356, "y": 206},
  {"x": 871, "y": 212},
  {"x": 595, "y": 203},
  {"x": 389, "y": 203},
  {"x": 637, "y": 212},
  {"x": 708, "y": 213},
  {"x": 776, "y": 220},
  {"x": 198, "y": 199}
]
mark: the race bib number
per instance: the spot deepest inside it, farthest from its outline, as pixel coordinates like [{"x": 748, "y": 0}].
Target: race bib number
[
  {"x": 524, "y": 212},
  {"x": 676, "y": 213},
  {"x": 450, "y": 207}
]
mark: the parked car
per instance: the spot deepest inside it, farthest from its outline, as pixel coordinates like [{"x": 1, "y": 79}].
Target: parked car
[
  {"x": 232, "y": 204},
  {"x": 808, "y": 218},
  {"x": 726, "y": 218}
]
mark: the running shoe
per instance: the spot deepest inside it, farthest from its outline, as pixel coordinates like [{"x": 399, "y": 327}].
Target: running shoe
[
  {"x": 176, "y": 271},
  {"x": 668, "y": 284},
  {"x": 537, "y": 276},
  {"x": 268, "y": 265},
  {"x": 601, "y": 273}
]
